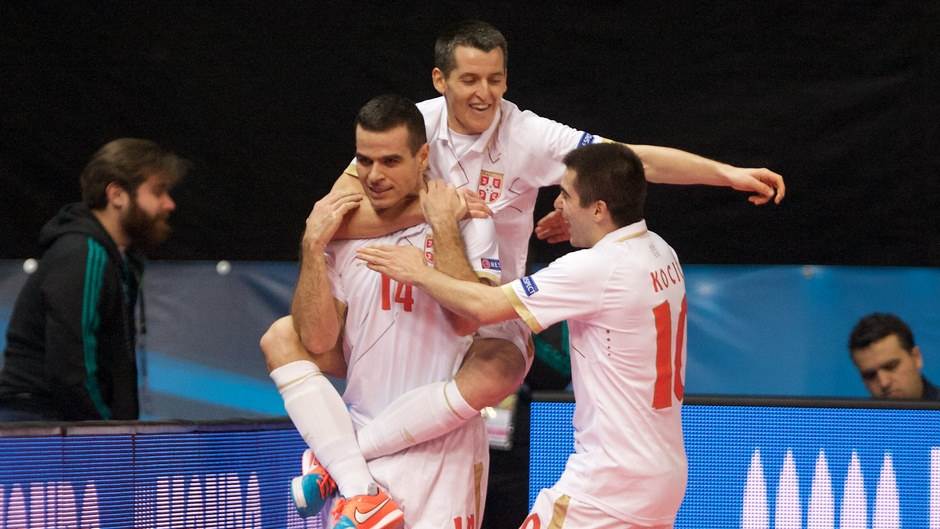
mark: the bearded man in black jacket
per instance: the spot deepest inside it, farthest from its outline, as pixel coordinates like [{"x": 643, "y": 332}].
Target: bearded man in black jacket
[{"x": 71, "y": 340}]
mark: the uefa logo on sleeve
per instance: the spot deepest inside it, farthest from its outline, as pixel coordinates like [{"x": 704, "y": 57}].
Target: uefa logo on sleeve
[{"x": 528, "y": 284}]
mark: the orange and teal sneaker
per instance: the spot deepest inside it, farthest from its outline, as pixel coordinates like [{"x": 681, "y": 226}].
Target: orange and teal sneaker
[
  {"x": 372, "y": 511},
  {"x": 311, "y": 489}
]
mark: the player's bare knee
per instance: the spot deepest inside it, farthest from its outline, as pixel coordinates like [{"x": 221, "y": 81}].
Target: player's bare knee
[
  {"x": 493, "y": 372},
  {"x": 512, "y": 367},
  {"x": 276, "y": 343}
]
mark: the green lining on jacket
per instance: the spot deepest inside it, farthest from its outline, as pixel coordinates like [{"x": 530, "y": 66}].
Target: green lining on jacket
[{"x": 95, "y": 264}]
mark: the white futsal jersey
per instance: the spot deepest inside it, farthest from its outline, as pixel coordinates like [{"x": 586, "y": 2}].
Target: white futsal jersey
[
  {"x": 397, "y": 338},
  {"x": 505, "y": 165},
  {"x": 624, "y": 300}
]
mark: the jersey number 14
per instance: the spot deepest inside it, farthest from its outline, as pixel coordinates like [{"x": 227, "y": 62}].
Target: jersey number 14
[
  {"x": 668, "y": 380},
  {"x": 402, "y": 294}
]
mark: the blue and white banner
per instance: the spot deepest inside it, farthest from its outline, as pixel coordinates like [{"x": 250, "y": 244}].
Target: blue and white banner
[
  {"x": 205, "y": 480},
  {"x": 783, "y": 467}
]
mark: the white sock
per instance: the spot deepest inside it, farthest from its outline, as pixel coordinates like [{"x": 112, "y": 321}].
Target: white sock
[
  {"x": 422, "y": 414},
  {"x": 321, "y": 417}
]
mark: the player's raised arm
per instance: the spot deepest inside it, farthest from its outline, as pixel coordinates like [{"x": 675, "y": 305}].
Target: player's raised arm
[
  {"x": 442, "y": 206},
  {"x": 665, "y": 165},
  {"x": 316, "y": 313},
  {"x": 365, "y": 222}
]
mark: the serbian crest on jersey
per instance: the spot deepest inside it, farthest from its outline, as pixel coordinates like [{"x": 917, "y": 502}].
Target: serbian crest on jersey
[
  {"x": 429, "y": 248},
  {"x": 491, "y": 185}
]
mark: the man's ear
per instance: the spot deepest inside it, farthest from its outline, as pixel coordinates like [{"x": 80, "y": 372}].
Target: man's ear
[
  {"x": 918, "y": 359},
  {"x": 438, "y": 80},
  {"x": 600, "y": 210},
  {"x": 117, "y": 195},
  {"x": 423, "y": 155}
]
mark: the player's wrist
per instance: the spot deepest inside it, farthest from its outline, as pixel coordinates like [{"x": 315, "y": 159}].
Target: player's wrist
[
  {"x": 313, "y": 244},
  {"x": 442, "y": 220},
  {"x": 420, "y": 276},
  {"x": 726, "y": 174}
]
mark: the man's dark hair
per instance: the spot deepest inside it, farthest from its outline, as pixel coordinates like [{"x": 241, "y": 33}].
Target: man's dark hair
[
  {"x": 470, "y": 33},
  {"x": 877, "y": 326},
  {"x": 385, "y": 112},
  {"x": 127, "y": 162},
  {"x": 613, "y": 173}
]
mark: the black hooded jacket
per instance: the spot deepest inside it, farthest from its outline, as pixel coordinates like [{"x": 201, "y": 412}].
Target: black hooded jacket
[{"x": 71, "y": 338}]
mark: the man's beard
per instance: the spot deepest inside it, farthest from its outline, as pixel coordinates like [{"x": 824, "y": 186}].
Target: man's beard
[{"x": 145, "y": 231}]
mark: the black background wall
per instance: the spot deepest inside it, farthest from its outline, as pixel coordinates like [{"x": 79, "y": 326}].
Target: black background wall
[{"x": 840, "y": 97}]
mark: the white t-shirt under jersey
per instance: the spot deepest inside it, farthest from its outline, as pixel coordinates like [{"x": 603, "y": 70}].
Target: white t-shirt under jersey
[
  {"x": 506, "y": 165},
  {"x": 624, "y": 300}
]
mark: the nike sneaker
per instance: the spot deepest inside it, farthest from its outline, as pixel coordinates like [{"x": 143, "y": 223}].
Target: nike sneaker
[
  {"x": 311, "y": 489},
  {"x": 372, "y": 511}
]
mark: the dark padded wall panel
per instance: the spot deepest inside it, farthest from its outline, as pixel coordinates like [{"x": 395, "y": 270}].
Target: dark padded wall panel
[{"x": 841, "y": 98}]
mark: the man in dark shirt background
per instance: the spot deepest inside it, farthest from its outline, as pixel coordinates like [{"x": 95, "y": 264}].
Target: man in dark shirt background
[
  {"x": 71, "y": 339},
  {"x": 883, "y": 349}
]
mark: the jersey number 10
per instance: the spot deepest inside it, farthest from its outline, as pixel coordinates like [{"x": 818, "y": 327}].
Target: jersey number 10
[
  {"x": 402, "y": 294},
  {"x": 662, "y": 393}
]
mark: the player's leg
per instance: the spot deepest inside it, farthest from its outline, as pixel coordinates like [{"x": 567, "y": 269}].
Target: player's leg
[
  {"x": 494, "y": 368},
  {"x": 316, "y": 409},
  {"x": 441, "y": 483}
]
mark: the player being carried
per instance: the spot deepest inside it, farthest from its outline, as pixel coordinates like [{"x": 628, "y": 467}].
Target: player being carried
[
  {"x": 484, "y": 144},
  {"x": 386, "y": 338}
]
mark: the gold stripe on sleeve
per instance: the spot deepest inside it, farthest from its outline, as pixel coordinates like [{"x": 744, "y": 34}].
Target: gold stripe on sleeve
[
  {"x": 351, "y": 170},
  {"x": 559, "y": 512},
  {"x": 520, "y": 308},
  {"x": 491, "y": 278}
]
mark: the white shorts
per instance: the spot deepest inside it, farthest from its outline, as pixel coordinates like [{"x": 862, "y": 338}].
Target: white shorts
[
  {"x": 440, "y": 481},
  {"x": 555, "y": 510},
  {"x": 515, "y": 331}
]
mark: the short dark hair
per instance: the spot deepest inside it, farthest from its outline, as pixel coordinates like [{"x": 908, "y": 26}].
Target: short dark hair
[
  {"x": 611, "y": 172},
  {"x": 127, "y": 162},
  {"x": 877, "y": 326},
  {"x": 385, "y": 112},
  {"x": 472, "y": 33}
]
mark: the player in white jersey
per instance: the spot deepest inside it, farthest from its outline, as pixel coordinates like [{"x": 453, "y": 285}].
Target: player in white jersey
[
  {"x": 386, "y": 338},
  {"x": 486, "y": 145},
  {"x": 395, "y": 339},
  {"x": 624, "y": 299}
]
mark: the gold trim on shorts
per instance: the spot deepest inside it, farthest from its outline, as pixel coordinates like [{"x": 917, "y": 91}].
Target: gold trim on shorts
[
  {"x": 477, "y": 486},
  {"x": 559, "y": 512}
]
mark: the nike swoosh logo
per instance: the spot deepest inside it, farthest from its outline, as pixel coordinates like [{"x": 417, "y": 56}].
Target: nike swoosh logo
[{"x": 362, "y": 517}]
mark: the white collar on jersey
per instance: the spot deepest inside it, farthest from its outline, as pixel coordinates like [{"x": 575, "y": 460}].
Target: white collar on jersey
[
  {"x": 487, "y": 141},
  {"x": 630, "y": 231}
]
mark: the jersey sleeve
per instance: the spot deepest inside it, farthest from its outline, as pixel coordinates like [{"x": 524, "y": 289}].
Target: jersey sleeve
[
  {"x": 549, "y": 142},
  {"x": 569, "y": 288},
  {"x": 479, "y": 239}
]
